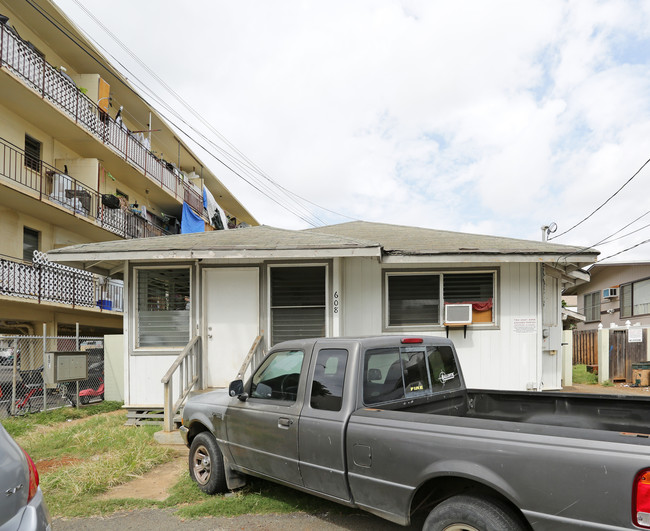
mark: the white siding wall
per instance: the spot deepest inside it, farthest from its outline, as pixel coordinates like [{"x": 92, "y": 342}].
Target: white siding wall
[
  {"x": 145, "y": 374},
  {"x": 503, "y": 357}
]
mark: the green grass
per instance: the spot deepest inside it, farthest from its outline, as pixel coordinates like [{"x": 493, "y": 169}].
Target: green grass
[
  {"x": 581, "y": 376},
  {"x": 18, "y": 426},
  {"x": 78, "y": 461}
]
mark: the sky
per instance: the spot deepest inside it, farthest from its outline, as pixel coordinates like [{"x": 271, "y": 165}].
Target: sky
[{"x": 494, "y": 117}]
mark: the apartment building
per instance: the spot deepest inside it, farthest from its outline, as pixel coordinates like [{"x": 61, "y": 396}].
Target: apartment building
[{"x": 83, "y": 158}]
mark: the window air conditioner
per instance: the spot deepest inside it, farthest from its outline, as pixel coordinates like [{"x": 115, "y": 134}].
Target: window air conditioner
[
  {"x": 458, "y": 314},
  {"x": 609, "y": 293}
]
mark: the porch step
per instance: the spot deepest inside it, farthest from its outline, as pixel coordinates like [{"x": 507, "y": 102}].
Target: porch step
[{"x": 140, "y": 417}]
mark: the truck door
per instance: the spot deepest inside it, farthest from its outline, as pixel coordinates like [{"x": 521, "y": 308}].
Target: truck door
[
  {"x": 263, "y": 430},
  {"x": 323, "y": 423}
]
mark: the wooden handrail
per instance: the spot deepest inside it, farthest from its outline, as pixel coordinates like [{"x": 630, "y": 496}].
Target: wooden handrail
[
  {"x": 179, "y": 360},
  {"x": 251, "y": 353}
]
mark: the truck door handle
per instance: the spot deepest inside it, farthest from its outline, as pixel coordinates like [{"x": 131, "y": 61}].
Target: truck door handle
[{"x": 284, "y": 422}]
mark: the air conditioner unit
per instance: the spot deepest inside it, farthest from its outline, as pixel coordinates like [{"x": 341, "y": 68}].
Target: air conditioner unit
[
  {"x": 609, "y": 293},
  {"x": 458, "y": 314}
]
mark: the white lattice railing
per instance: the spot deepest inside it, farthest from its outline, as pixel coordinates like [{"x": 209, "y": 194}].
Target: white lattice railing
[{"x": 51, "y": 282}]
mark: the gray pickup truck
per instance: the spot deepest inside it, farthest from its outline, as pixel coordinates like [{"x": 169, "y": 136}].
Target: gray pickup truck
[{"x": 386, "y": 424}]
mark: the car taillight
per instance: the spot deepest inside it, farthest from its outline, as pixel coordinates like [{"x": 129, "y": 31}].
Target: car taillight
[
  {"x": 408, "y": 340},
  {"x": 641, "y": 499},
  {"x": 33, "y": 477}
]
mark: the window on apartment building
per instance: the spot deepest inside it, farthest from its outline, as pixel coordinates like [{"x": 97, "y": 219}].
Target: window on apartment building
[
  {"x": 163, "y": 307},
  {"x": 417, "y": 299},
  {"x": 31, "y": 238},
  {"x": 592, "y": 306},
  {"x": 32, "y": 153},
  {"x": 635, "y": 298},
  {"x": 297, "y": 302}
]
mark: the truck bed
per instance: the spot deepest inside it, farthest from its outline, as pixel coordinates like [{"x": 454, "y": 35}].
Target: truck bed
[{"x": 618, "y": 413}]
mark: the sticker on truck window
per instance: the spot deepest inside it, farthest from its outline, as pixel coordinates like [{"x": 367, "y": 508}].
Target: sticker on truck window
[{"x": 444, "y": 377}]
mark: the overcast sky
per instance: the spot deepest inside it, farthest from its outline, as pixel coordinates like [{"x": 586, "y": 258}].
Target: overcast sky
[{"x": 489, "y": 117}]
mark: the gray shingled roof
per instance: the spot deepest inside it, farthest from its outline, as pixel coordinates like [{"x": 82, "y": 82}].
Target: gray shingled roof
[
  {"x": 398, "y": 239},
  {"x": 354, "y": 237}
]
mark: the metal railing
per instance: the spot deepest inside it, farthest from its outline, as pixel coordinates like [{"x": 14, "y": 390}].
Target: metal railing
[
  {"x": 19, "y": 58},
  {"x": 186, "y": 372},
  {"x": 47, "y": 281},
  {"x": 66, "y": 192}
]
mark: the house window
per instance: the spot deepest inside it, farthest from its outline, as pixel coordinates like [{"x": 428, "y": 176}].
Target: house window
[
  {"x": 592, "y": 306},
  {"x": 32, "y": 153},
  {"x": 414, "y": 299},
  {"x": 163, "y": 307},
  {"x": 30, "y": 243},
  {"x": 297, "y": 303},
  {"x": 635, "y": 298}
]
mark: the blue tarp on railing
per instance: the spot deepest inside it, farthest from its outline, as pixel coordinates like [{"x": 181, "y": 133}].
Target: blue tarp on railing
[{"x": 190, "y": 222}]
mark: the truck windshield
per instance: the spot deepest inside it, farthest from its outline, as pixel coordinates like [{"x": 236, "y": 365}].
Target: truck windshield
[{"x": 397, "y": 373}]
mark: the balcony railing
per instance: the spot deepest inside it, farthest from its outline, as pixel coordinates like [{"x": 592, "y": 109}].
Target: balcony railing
[
  {"x": 51, "y": 282},
  {"x": 65, "y": 191},
  {"x": 52, "y": 85}
]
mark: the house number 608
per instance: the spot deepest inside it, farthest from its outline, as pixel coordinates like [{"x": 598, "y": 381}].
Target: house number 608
[{"x": 336, "y": 302}]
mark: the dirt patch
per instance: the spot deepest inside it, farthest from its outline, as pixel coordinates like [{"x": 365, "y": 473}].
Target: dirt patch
[
  {"x": 155, "y": 484},
  {"x": 47, "y": 465}
]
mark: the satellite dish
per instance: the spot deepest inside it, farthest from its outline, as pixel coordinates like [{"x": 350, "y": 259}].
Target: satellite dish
[{"x": 551, "y": 228}]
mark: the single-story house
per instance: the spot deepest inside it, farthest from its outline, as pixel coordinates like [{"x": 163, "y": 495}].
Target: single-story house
[{"x": 211, "y": 295}]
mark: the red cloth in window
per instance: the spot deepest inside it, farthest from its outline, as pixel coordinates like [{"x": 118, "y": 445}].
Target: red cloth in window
[{"x": 477, "y": 306}]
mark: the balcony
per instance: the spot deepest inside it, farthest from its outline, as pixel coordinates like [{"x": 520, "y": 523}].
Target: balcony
[
  {"x": 46, "y": 281},
  {"x": 19, "y": 58},
  {"x": 46, "y": 182}
]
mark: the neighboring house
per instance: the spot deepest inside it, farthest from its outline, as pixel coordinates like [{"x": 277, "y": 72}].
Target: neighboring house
[
  {"x": 209, "y": 296},
  {"x": 81, "y": 160},
  {"x": 615, "y": 294}
]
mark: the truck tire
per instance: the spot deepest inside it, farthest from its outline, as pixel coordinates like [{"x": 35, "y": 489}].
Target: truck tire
[
  {"x": 206, "y": 464},
  {"x": 471, "y": 513}
]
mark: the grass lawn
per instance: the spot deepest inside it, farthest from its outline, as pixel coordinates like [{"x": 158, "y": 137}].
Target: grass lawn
[{"x": 79, "y": 458}]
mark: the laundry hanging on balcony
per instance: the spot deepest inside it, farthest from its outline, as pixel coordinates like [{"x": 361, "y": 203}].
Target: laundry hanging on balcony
[
  {"x": 190, "y": 222},
  {"x": 216, "y": 215}
]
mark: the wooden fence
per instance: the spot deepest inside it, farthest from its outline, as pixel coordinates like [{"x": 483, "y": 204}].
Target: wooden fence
[{"x": 585, "y": 347}]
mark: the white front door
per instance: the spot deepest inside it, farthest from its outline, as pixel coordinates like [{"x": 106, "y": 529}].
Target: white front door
[{"x": 231, "y": 298}]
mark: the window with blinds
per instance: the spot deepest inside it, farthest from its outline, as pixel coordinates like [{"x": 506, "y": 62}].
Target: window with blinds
[
  {"x": 297, "y": 303},
  {"x": 592, "y": 306},
  {"x": 416, "y": 299},
  {"x": 163, "y": 313},
  {"x": 635, "y": 298},
  {"x": 413, "y": 300}
]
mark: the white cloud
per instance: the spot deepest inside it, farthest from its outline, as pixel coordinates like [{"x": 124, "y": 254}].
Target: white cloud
[{"x": 480, "y": 116}]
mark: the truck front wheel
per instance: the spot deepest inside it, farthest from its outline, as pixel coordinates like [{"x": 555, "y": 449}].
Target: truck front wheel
[
  {"x": 206, "y": 464},
  {"x": 471, "y": 513}
]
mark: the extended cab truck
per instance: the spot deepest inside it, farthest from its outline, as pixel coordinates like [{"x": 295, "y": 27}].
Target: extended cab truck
[{"x": 387, "y": 425}]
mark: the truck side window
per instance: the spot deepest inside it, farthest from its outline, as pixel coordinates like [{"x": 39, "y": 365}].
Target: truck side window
[
  {"x": 444, "y": 373},
  {"x": 278, "y": 377},
  {"x": 383, "y": 378},
  {"x": 329, "y": 377}
]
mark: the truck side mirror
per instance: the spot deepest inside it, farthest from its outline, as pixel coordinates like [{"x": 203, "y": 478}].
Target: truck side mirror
[{"x": 236, "y": 388}]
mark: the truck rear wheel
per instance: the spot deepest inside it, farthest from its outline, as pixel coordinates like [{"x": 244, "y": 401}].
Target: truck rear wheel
[
  {"x": 471, "y": 513},
  {"x": 206, "y": 464}
]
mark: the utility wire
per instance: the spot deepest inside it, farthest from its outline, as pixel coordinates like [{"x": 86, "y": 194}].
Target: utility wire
[
  {"x": 48, "y": 17},
  {"x": 606, "y": 201},
  {"x": 244, "y": 163},
  {"x": 624, "y": 250}
]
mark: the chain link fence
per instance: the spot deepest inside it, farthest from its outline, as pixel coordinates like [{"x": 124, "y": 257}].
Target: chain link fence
[{"x": 22, "y": 389}]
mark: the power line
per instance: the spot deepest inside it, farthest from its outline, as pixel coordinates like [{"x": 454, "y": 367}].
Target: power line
[
  {"x": 624, "y": 250},
  {"x": 244, "y": 163},
  {"x": 603, "y": 204}
]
